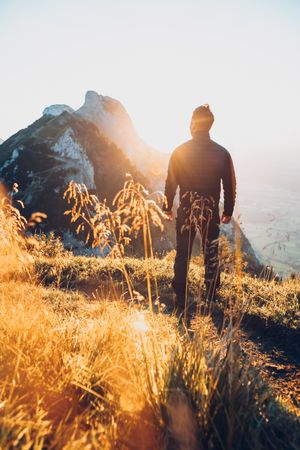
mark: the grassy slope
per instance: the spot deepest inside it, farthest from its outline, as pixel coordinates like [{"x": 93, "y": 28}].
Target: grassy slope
[
  {"x": 83, "y": 373},
  {"x": 80, "y": 368},
  {"x": 274, "y": 302}
]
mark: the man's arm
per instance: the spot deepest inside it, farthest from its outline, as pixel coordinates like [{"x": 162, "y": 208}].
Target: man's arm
[
  {"x": 171, "y": 184},
  {"x": 229, "y": 186}
]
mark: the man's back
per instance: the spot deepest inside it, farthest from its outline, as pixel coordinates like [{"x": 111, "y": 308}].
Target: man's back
[{"x": 199, "y": 165}]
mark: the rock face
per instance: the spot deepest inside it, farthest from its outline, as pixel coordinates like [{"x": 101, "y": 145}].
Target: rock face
[
  {"x": 112, "y": 119},
  {"x": 1, "y": 141},
  {"x": 68, "y": 148}
]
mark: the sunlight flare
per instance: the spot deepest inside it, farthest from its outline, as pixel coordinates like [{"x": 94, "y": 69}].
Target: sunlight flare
[{"x": 140, "y": 323}]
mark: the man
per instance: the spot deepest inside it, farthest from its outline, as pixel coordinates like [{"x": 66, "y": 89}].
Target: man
[{"x": 197, "y": 167}]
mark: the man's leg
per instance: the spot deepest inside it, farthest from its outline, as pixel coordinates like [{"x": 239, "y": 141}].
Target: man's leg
[
  {"x": 211, "y": 258},
  {"x": 184, "y": 244}
]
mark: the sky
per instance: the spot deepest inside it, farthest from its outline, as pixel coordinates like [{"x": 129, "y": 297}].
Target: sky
[{"x": 161, "y": 59}]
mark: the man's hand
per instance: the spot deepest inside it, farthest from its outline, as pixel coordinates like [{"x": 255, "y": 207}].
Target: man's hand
[
  {"x": 169, "y": 215},
  {"x": 225, "y": 219}
]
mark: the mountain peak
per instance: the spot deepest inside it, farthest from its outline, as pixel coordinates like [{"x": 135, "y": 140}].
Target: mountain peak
[
  {"x": 57, "y": 110},
  {"x": 112, "y": 120},
  {"x": 97, "y": 106},
  {"x": 92, "y": 98}
]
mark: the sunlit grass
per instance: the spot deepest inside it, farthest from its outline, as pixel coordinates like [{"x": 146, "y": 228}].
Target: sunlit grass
[
  {"x": 84, "y": 366},
  {"x": 277, "y": 302},
  {"x": 100, "y": 372}
]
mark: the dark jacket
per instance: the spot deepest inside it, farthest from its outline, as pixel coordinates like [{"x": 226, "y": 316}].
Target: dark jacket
[{"x": 198, "y": 166}]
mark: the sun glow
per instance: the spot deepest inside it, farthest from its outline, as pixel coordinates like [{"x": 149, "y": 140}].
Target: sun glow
[{"x": 140, "y": 322}]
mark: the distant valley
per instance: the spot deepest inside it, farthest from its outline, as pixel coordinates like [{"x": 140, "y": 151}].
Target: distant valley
[{"x": 270, "y": 217}]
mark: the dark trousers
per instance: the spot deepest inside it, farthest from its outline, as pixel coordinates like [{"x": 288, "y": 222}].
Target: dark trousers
[{"x": 209, "y": 229}]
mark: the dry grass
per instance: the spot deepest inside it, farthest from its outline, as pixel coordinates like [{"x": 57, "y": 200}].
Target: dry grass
[
  {"x": 102, "y": 374},
  {"x": 79, "y": 372},
  {"x": 275, "y": 302},
  {"x": 72, "y": 373}
]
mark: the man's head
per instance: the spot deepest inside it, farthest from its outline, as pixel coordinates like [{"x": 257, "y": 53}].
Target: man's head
[{"x": 202, "y": 119}]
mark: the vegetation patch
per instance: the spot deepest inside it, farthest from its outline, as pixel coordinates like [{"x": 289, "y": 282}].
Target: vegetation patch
[{"x": 88, "y": 359}]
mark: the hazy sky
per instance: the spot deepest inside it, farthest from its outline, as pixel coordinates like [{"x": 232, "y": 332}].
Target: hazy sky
[{"x": 161, "y": 59}]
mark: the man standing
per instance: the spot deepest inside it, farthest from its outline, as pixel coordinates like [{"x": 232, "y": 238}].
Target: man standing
[{"x": 197, "y": 167}]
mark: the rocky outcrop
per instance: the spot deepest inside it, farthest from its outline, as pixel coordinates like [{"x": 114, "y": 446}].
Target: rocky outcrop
[
  {"x": 54, "y": 150},
  {"x": 112, "y": 119},
  {"x": 57, "y": 110}
]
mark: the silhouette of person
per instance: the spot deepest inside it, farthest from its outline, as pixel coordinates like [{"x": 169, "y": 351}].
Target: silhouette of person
[{"x": 198, "y": 166}]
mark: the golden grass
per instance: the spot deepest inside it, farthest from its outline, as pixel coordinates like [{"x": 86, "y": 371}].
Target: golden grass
[
  {"x": 80, "y": 372},
  {"x": 275, "y": 302},
  {"x": 71, "y": 372},
  {"x": 102, "y": 374}
]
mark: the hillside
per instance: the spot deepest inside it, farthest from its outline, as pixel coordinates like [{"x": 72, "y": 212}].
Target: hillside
[
  {"x": 54, "y": 150},
  {"x": 267, "y": 313},
  {"x": 92, "y": 355},
  {"x": 99, "y": 370}
]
